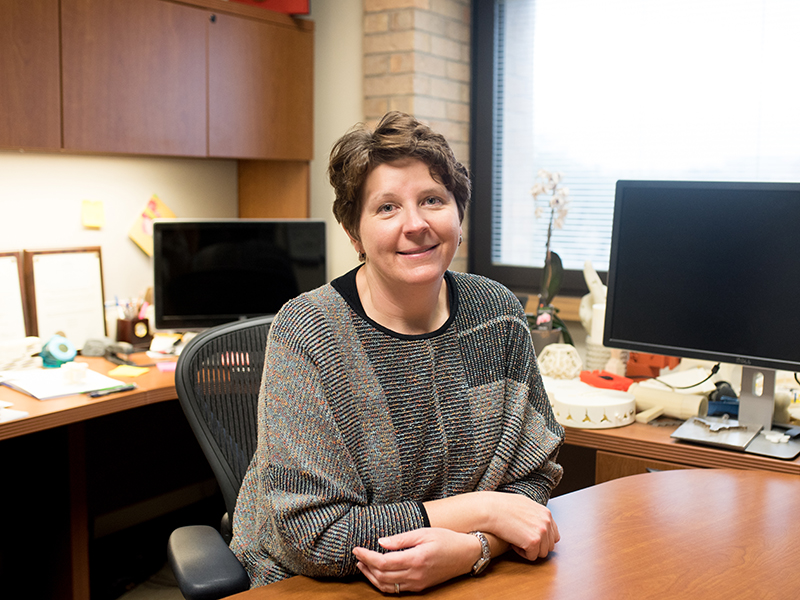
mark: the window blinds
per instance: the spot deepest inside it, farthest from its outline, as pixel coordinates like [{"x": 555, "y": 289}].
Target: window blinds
[{"x": 635, "y": 89}]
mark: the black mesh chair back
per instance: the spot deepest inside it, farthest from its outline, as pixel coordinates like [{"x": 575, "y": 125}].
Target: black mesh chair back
[{"x": 218, "y": 377}]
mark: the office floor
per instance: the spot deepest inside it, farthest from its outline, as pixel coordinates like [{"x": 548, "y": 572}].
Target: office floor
[{"x": 160, "y": 586}]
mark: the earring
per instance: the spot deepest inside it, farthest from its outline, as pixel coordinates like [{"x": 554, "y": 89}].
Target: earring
[
  {"x": 460, "y": 239},
  {"x": 362, "y": 256}
]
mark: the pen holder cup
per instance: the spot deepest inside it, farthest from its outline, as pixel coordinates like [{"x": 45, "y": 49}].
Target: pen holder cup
[{"x": 134, "y": 331}]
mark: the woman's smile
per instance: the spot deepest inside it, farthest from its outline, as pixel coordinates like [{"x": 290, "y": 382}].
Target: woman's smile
[
  {"x": 418, "y": 251},
  {"x": 410, "y": 225}
]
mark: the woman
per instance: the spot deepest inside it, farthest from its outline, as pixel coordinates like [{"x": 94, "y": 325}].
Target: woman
[{"x": 401, "y": 408}]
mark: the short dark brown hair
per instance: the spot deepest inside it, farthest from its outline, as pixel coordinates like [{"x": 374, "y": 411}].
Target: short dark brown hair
[{"x": 397, "y": 136}]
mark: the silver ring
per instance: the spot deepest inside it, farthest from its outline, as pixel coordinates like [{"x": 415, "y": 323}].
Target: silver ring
[{"x": 397, "y": 588}]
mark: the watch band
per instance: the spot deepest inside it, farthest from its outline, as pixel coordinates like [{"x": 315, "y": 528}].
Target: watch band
[{"x": 486, "y": 554}]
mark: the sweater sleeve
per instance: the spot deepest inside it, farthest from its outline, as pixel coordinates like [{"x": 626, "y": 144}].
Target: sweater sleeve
[
  {"x": 312, "y": 507},
  {"x": 532, "y": 435}
]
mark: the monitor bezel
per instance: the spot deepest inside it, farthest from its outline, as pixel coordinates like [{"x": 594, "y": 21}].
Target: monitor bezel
[
  {"x": 185, "y": 324},
  {"x": 609, "y": 338}
]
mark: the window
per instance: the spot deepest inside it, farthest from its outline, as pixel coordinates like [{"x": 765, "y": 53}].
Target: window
[{"x": 620, "y": 89}]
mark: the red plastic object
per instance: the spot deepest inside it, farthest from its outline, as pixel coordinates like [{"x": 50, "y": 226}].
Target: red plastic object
[
  {"x": 649, "y": 365},
  {"x": 606, "y": 380},
  {"x": 290, "y": 7}
]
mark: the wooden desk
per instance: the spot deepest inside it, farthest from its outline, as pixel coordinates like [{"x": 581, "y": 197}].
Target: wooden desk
[
  {"x": 630, "y": 449},
  {"x": 72, "y": 522},
  {"x": 154, "y": 386},
  {"x": 681, "y": 534}
]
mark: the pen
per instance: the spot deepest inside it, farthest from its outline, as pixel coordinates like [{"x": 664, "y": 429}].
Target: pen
[{"x": 115, "y": 390}]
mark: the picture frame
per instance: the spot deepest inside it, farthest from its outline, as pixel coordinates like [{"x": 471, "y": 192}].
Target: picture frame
[
  {"x": 14, "y": 318},
  {"x": 64, "y": 288}
]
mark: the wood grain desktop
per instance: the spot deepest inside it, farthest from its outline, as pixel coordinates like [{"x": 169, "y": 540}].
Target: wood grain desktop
[{"x": 696, "y": 533}]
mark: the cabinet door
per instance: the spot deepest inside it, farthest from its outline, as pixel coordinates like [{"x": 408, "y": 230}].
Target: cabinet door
[
  {"x": 260, "y": 89},
  {"x": 134, "y": 77},
  {"x": 610, "y": 466},
  {"x": 30, "y": 103}
]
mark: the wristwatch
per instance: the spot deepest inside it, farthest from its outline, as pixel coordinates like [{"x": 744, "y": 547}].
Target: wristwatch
[{"x": 486, "y": 554}]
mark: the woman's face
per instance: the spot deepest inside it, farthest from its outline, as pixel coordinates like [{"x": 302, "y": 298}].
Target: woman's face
[{"x": 409, "y": 226}]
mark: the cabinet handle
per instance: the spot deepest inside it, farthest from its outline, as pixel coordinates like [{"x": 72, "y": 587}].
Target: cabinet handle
[{"x": 213, "y": 18}]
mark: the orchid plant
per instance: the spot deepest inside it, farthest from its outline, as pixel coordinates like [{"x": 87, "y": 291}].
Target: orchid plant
[{"x": 557, "y": 200}]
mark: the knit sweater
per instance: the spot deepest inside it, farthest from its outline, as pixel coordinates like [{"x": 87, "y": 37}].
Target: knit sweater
[{"x": 359, "y": 425}]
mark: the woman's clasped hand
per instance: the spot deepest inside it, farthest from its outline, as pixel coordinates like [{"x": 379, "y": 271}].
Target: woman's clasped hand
[{"x": 418, "y": 559}]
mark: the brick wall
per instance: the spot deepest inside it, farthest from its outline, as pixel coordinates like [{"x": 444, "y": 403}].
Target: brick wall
[{"x": 417, "y": 60}]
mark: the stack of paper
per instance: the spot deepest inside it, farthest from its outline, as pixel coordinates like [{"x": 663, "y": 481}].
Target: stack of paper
[{"x": 52, "y": 383}]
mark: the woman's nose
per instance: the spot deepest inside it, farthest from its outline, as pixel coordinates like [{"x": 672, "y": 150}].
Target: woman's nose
[{"x": 415, "y": 221}]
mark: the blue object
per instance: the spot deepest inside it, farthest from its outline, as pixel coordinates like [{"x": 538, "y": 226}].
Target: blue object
[
  {"x": 724, "y": 406},
  {"x": 57, "y": 351}
]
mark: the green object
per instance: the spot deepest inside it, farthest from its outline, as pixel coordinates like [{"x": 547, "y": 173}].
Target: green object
[
  {"x": 557, "y": 322},
  {"x": 552, "y": 277}
]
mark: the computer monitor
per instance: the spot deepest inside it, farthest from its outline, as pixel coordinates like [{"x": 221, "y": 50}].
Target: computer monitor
[
  {"x": 209, "y": 272},
  {"x": 709, "y": 270}
]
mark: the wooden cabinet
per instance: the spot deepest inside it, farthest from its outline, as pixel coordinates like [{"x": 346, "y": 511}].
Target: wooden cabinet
[
  {"x": 260, "y": 99},
  {"x": 190, "y": 78},
  {"x": 30, "y": 109},
  {"x": 610, "y": 466},
  {"x": 134, "y": 77},
  {"x": 164, "y": 78}
]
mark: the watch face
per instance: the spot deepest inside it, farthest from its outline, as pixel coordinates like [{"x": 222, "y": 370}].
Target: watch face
[{"x": 480, "y": 566}]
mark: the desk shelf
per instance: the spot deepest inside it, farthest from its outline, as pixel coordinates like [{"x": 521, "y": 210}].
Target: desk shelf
[{"x": 654, "y": 443}]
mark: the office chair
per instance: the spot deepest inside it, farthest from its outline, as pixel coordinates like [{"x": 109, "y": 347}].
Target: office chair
[{"x": 217, "y": 377}]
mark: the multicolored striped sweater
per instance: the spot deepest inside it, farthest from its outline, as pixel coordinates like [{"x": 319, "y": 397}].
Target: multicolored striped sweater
[{"x": 359, "y": 425}]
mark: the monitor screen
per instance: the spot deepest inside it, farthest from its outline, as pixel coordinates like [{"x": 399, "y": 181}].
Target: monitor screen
[
  {"x": 209, "y": 272},
  {"x": 706, "y": 270}
]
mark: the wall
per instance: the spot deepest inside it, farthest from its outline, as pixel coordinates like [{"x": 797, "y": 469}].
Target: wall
[
  {"x": 338, "y": 105},
  {"x": 41, "y": 196},
  {"x": 417, "y": 60}
]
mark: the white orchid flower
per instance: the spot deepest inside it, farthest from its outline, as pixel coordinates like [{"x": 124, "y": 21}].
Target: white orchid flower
[
  {"x": 538, "y": 189},
  {"x": 559, "y": 199}
]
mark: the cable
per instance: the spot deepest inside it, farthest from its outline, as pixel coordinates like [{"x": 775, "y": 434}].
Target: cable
[
  {"x": 118, "y": 360},
  {"x": 714, "y": 370}
]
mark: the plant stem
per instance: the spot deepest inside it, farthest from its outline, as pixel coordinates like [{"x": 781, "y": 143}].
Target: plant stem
[{"x": 549, "y": 233}]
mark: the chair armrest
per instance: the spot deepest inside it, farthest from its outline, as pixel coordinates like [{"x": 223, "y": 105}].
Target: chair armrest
[{"x": 204, "y": 566}]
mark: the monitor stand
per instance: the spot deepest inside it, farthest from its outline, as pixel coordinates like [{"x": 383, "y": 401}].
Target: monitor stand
[
  {"x": 753, "y": 432},
  {"x": 764, "y": 447},
  {"x": 717, "y": 431}
]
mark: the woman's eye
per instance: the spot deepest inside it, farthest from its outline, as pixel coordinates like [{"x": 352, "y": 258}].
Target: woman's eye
[
  {"x": 433, "y": 200},
  {"x": 385, "y": 208}
]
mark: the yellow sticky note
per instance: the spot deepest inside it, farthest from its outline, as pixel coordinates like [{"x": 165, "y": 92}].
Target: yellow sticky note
[
  {"x": 142, "y": 230},
  {"x": 128, "y": 371},
  {"x": 92, "y": 214}
]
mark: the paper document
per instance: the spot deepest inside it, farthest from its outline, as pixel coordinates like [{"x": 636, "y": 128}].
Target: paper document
[
  {"x": 10, "y": 414},
  {"x": 52, "y": 383}
]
